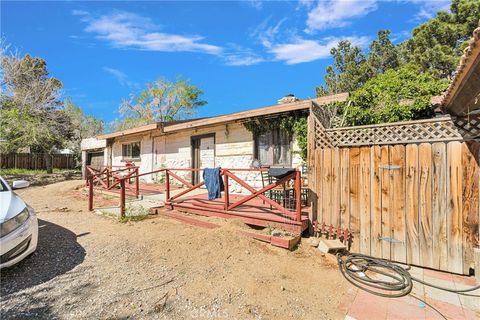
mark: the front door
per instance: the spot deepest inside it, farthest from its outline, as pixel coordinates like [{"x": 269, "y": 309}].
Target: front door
[{"x": 203, "y": 154}]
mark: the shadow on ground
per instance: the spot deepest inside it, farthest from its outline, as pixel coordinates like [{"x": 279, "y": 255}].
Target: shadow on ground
[{"x": 57, "y": 253}]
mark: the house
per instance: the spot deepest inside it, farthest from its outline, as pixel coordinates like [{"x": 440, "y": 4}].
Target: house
[{"x": 220, "y": 141}]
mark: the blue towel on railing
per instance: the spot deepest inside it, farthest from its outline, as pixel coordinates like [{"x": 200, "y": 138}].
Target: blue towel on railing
[{"x": 213, "y": 182}]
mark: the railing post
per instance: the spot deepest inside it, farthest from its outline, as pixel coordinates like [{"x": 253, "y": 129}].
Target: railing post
[
  {"x": 137, "y": 193},
  {"x": 167, "y": 186},
  {"x": 90, "y": 193},
  {"x": 122, "y": 197},
  {"x": 298, "y": 196},
  {"x": 226, "y": 192},
  {"x": 108, "y": 177}
]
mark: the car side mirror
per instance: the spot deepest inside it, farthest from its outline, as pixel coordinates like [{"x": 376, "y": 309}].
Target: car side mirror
[{"x": 20, "y": 184}]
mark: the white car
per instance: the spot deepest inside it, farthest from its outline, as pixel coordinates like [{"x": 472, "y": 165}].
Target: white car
[{"x": 18, "y": 225}]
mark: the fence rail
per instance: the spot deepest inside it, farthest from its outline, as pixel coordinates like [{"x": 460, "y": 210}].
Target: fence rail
[{"x": 35, "y": 161}]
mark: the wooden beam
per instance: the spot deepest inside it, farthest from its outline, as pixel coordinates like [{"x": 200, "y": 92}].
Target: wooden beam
[{"x": 277, "y": 108}]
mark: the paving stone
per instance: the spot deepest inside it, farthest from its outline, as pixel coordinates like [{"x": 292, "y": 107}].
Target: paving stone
[
  {"x": 368, "y": 306},
  {"x": 441, "y": 295},
  {"x": 402, "y": 309},
  {"x": 438, "y": 275},
  {"x": 449, "y": 310},
  {"x": 471, "y": 303}
]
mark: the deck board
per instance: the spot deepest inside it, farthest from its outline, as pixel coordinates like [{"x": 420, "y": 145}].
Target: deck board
[{"x": 254, "y": 212}]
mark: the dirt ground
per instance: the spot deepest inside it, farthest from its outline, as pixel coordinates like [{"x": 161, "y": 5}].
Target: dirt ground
[{"x": 89, "y": 266}]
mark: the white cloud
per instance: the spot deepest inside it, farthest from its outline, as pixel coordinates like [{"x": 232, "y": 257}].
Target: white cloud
[
  {"x": 121, "y": 77},
  {"x": 428, "y": 9},
  {"x": 129, "y": 30},
  {"x": 242, "y": 59},
  {"x": 256, "y": 4},
  {"x": 302, "y": 50},
  {"x": 334, "y": 14},
  {"x": 266, "y": 33}
]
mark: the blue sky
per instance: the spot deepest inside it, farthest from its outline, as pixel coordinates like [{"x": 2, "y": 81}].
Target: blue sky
[{"x": 243, "y": 55}]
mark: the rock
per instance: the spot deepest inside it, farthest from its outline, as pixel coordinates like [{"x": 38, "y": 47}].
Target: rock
[
  {"x": 313, "y": 241},
  {"x": 282, "y": 288},
  {"x": 277, "y": 233}
]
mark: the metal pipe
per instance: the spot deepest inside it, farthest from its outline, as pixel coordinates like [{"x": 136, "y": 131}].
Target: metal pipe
[
  {"x": 90, "y": 193},
  {"x": 122, "y": 198},
  {"x": 298, "y": 191}
]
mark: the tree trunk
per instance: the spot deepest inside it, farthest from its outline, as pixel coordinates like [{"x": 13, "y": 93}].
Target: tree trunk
[{"x": 48, "y": 162}]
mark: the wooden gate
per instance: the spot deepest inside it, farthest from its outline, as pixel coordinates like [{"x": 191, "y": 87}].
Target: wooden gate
[{"x": 415, "y": 203}]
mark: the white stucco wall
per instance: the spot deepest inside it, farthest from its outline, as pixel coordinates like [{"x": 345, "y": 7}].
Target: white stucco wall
[{"x": 234, "y": 148}]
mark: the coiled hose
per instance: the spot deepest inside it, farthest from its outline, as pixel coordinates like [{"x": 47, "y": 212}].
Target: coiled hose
[{"x": 382, "y": 277}]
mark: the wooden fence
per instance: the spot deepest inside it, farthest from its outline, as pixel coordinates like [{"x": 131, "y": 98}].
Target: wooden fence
[
  {"x": 35, "y": 161},
  {"x": 416, "y": 203}
]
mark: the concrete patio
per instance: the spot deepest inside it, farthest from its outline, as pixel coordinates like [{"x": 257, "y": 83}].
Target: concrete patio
[{"x": 358, "y": 304}]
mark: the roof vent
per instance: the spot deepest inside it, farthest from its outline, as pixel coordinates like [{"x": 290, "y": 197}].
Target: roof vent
[{"x": 289, "y": 98}]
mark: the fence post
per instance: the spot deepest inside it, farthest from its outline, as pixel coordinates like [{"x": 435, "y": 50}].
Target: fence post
[
  {"x": 137, "y": 193},
  {"x": 226, "y": 192},
  {"x": 108, "y": 177},
  {"x": 298, "y": 199},
  {"x": 122, "y": 197},
  {"x": 167, "y": 186},
  {"x": 90, "y": 193}
]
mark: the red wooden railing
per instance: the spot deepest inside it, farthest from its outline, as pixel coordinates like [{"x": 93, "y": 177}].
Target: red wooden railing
[{"x": 101, "y": 177}]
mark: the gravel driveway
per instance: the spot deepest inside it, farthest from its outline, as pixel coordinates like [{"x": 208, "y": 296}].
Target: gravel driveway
[{"x": 89, "y": 266}]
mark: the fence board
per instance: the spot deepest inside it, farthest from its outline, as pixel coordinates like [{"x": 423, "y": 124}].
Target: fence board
[
  {"x": 376, "y": 203},
  {"x": 364, "y": 199},
  {"x": 336, "y": 187},
  {"x": 470, "y": 203},
  {"x": 327, "y": 186},
  {"x": 354, "y": 198},
  {"x": 411, "y": 204},
  {"x": 439, "y": 213},
  {"x": 454, "y": 207},
  {"x": 345, "y": 188},
  {"x": 397, "y": 176},
  {"x": 385, "y": 201},
  {"x": 318, "y": 182},
  {"x": 425, "y": 206},
  {"x": 35, "y": 161}
]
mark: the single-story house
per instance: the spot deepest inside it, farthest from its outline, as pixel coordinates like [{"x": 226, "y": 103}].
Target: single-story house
[{"x": 220, "y": 141}]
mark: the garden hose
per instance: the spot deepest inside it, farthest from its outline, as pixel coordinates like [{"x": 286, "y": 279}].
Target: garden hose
[{"x": 363, "y": 272}]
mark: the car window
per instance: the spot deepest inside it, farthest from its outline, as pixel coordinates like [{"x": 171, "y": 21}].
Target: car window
[{"x": 3, "y": 187}]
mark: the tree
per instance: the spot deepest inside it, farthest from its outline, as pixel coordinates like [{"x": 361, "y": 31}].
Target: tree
[
  {"x": 396, "y": 82},
  {"x": 83, "y": 127},
  {"x": 437, "y": 44},
  {"x": 349, "y": 71},
  {"x": 351, "y": 68},
  {"x": 383, "y": 53},
  {"x": 161, "y": 101},
  {"x": 396, "y": 95},
  {"x": 31, "y": 113}
]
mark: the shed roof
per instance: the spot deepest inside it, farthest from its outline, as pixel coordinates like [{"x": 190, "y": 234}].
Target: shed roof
[
  {"x": 461, "y": 96},
  {"x": 174, "y": 126}
]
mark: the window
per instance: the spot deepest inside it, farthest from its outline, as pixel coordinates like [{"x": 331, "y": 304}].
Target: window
[
  {"x": 131, "y": 151},
  {"x": 274, "y": 148}
]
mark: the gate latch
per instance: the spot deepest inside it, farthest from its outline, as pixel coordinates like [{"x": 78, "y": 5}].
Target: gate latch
[
  {"x": 389, "y": 167},
  {"x": 389, "y": 239}
]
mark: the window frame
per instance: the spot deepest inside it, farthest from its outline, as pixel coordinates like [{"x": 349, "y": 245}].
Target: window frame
[
  {"x": 130, "y": 158},
  {"x": 256, "y": 153}
]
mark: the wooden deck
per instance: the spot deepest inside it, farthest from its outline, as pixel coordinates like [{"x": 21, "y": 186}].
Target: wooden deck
[{"x": 255, "y": 212}]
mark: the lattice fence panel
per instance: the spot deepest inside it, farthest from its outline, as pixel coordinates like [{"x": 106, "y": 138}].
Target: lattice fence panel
[
  {"x": 322, "y": 139},
  {"x": 432, "y": 130}
]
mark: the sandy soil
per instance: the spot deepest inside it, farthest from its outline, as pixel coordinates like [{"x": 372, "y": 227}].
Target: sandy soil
[{"x": 90, "y": 266}]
